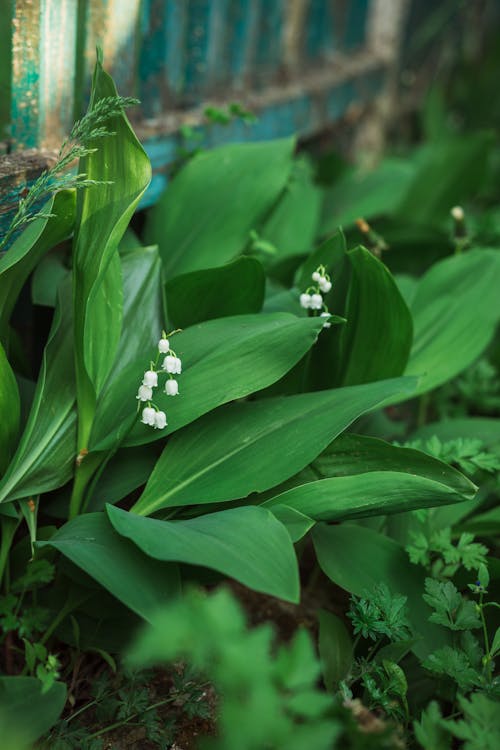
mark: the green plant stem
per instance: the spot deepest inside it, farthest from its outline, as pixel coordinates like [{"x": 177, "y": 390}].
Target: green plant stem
[
  {"x": 487, "y": 655},
  {"x": 83, "y": 474},
  {"x": 72, "y": 603},
  {"x": 8, "y": 529},
  {"x": 130, "y": 718}
]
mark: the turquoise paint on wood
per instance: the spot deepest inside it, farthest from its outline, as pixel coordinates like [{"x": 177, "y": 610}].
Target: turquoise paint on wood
[
  {"x": 24, "y": 129},
  {"x": 179, "y": 54},
  {"x": 356, "y": 23},
  {"x": 269, "y": 47},
  {"x": 319, "y": 36},
  {"x": 56, "y": 85}
]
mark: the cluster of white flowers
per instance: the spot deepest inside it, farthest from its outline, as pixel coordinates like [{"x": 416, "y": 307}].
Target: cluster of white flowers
[
  {"x": 312, "y": 298},
  {"x": 171, "y": 365}
]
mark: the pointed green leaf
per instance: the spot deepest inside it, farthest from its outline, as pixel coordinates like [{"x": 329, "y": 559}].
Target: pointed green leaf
[
  {"x": 122, "y": 170},
  {"x": 335, "y": 648},
  {"x": 292, "y": 226},
  {"x": 250, "y": 447},
  {"x": 372, "y": 494},
  {"x": 45, "y": 456},
  {"x": 205, "y": 216},
  {"x": 10, "y": 409},
  {"x": 455, "y": 312},
  {"x": 93, "y": 545},
  {"x": 29, "y": 709},
  {"x": 376, "y": 340},
  {"x": 297, "y": 524},
  {"x": 104, "y": 321},
  {"x": 222, "y": 360},
  {"x": 358, "y": 558},
  {"x": 142, "y": 325},
  {"x": 247, "y": 544},
  {"x": 22, "y": 257},
  {"x": 357, "y": 454},
  {"x": 233, "y": 289}
]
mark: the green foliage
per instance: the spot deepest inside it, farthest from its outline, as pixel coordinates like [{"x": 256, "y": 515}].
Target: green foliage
[
  {"x": 255, "y": 456},
  {"x": 451, "y": 609},
  {"x": 439, "y": 554},
  {"x": 469, "y": 454},
  {"x": 380, "y": 613},
  {"x": 269, "y": 697}
]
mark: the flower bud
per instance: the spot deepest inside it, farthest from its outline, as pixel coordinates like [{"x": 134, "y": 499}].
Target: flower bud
[
  {"x": 163, "y": 346},
  {"x": 160, "y": 420},
  {"x": 148, "y": 416},
  {"x": 457, "y": 213},
  {"x": 316, "y": 276},
  {"x": 326, "y": 324},
  {"x": 150, "y": 379},
  {"x": 305, "y": 300},
  {"x": 171, "y": 387},
  {"x": 316, "y": 302},
  {"x": 145, "y": 393},
  {"x": 325, "y": 285}
]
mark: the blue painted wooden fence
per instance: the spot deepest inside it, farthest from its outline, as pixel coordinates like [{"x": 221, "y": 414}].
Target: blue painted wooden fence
[{"x": 298, "y": 64}]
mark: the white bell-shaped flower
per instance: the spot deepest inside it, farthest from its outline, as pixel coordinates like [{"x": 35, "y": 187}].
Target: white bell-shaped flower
[
  {"x": 163, "y": 346},
  {"x": 171, "y": 387},
  {"x": 148, "y": 416},
  {"x": 316, "y": 302},
  {"x": 150, "y": 379},
  {"x": 145, "y": 393},
  {"x": 325, "y": 285},
  {"x": 305, "y": 300},
  {"x": 326, "y": 324},
  {"x": 316, "y": 276},
  {"x": 160, "y": 420},
  {"x": 172, "y": 364}
]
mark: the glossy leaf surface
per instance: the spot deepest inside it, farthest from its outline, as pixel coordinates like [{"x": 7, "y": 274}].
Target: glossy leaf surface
[
  {"x": 205, "y": 216},
  {"x": 247, "y": 544},
  {"x": 250, "y": 447},
  {"x": 222, "y": 359},
  {"x": 92, "y": 544}
]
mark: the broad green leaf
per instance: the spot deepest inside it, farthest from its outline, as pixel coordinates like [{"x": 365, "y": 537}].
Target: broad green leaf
[
  {"x": 206, "y": 213},
  {"x": 223, "y": 360},
  {"x": 447, "y": 172},
  {"x": 233, "y": 289},
  {"x": 142, "y": 326},
  {"x": 247, "y": 544},
  {"x": 358, "y": 558},
  {"x": 357, "y": 454},
  {"x": 331, "y": 253},
  {"x": 366, "y": 194},
  {"x": 47, "y": 276},
  {"x": 375, "y": 342},
  {"x": 45, "y": 455},
  {"x": 292, "y": 226},
  {"x": 10, "y": 410},
  {"x": 122, "y": 170},
  {"x": 297, "y": 524},
  {"x": 335, "y": 648},
  {"x": 372, "y": 494},
  {"x": 326, "y": 360},
  {"x": 249, "y": 447},
  {"x": 129, "y": 469},
  {"x": 22, "y": 257},
  {"x": 91, "y": 543},
  {"x": 27, "y": 709},
  {"x": 455, "y": 312},
  {"x": 103, "y": 324},
  {"x": 495, "y": 646}
]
